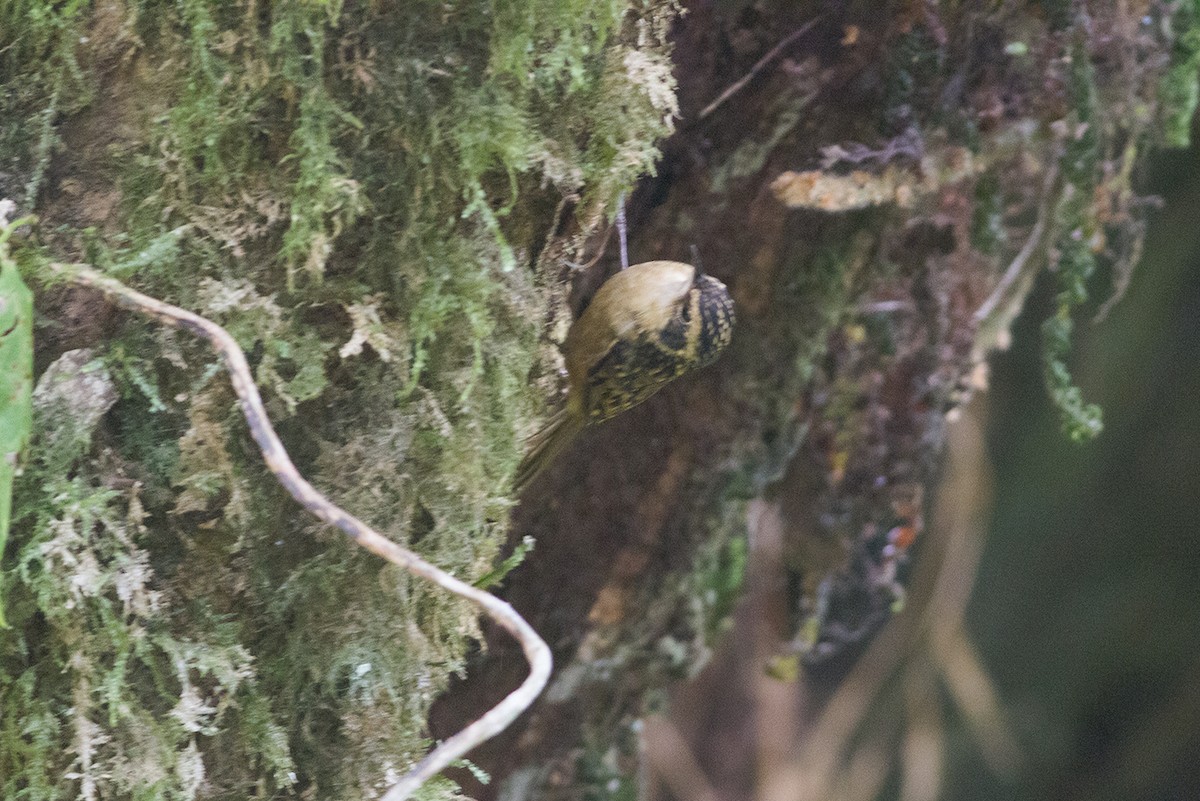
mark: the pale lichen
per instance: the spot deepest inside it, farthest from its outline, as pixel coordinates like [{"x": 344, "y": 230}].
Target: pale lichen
[{"x": 358, "y": 196}]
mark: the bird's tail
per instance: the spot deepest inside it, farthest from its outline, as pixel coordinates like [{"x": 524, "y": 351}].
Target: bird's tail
[{"x": 545, "y": 445}]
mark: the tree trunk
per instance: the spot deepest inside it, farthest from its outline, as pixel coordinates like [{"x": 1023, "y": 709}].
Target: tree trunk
[
  {"x": 879, "y": 190},
  {"x": 393, "y": 207}
]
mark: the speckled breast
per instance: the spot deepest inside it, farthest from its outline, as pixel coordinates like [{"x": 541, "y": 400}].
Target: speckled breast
[{"x": 633, "y": 371}]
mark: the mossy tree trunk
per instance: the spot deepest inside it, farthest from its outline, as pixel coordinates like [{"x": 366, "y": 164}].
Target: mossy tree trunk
[
  {"x": 381, "y": 202},
  {"x": 879, "y": 193}
]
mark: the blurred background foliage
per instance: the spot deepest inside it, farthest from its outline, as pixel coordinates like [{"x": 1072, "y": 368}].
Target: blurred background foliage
[
  {"x": 1048, "y": 648},
  {"x": 1086, "y": 607}
]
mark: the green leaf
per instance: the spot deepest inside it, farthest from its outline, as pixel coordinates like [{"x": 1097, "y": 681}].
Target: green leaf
[
  {"x": 16, "y": 381},
  {"x": 495, "y": 576}
]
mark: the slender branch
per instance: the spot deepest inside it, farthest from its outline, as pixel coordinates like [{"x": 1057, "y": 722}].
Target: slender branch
[
  {"x": 757, "y": 68},
  {"x": 278, "y": 462},
  {"x": 622, "y": 236},
  {"x": 669, "y": 755},
  {"x": 994, "y": 315}
]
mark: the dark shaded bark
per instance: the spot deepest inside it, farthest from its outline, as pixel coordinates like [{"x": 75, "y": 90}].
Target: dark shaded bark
[{"x": 858, "y": 331}]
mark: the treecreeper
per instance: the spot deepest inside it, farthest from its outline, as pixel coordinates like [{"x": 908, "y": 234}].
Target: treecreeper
[{"x": 646, "y": 326}]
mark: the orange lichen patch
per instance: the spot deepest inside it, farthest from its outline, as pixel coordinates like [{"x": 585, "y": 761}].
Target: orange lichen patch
[
  {"x": 903, "y": 536},
  {"x": 609, "y": 608},
  {"x": 903, "y": 185},
  {"x": 814, "y": 189}
]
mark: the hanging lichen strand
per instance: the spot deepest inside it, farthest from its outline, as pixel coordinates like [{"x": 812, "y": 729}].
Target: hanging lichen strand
[{"x": 359, "y": 194}]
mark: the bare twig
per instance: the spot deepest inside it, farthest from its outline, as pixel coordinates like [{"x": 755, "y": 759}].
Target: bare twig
[
  {"x": 670, "y": 756},
  {"x": 757, "y": 68},
  {"x": 622, "y": 236},
  {"x": 278, "y": 462},
  {"x": 923, "y": 754},
  {"x": 965, "y": 676},
  {"x": 995, "y": 314}
]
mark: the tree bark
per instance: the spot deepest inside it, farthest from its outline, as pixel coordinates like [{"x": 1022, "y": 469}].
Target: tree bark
[
  {"x": 391, "y": 206},
  {"x": 879, "y": 189}
]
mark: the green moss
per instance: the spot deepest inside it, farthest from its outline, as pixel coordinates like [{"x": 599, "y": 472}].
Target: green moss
[
  {"x": 43, "y": 80},
  {"x": 355, "y": 194},
  {"x": 1074, "y": 261},
  {"x": 812, "y": 288},
  {"x": 988, "y": 234},
  {"x": 752, "y": 153},
  {"x": 912, "y": 77},
  {"x": 718, "y": 572},
  {"x": 112, "y": 692},
  {"x": 1179, "y": 87},
  {"x": 323, "y": 199}
]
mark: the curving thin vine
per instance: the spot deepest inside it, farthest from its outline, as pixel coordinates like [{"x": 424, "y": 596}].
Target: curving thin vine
[{"x": 537, "y": 653}]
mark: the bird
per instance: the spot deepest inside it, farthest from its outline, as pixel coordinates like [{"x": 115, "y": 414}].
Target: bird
[{"x": 647, "y": 325}]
